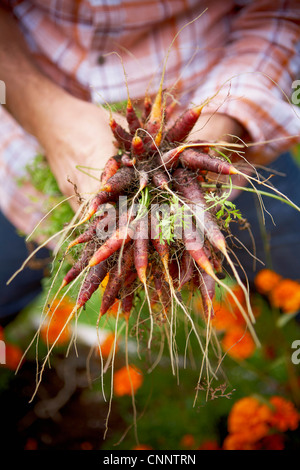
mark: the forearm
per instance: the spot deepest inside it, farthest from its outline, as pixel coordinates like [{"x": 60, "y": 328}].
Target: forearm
[
  {"x": 70, "y": 131},
  {"x": 31, "y": 97}
]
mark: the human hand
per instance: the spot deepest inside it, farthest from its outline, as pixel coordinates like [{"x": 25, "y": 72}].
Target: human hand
[
  {"x": 220, "y": 127},
  {"x": 77, "y": 133}
]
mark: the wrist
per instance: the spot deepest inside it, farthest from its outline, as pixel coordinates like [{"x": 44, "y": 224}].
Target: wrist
[{"x": 215, "y": 127}]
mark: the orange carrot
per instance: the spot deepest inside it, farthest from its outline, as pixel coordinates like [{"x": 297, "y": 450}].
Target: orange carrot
[
  {"x": 121, "y": 236},
  {"x": 154, "y": 123},
  {"x": 141, "y": 244},
  {"x": 111, "y": 167}
]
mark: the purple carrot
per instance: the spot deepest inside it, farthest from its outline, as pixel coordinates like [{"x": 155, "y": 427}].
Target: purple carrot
[
  {"x": 197, "y": 160},
  {"x": 121, "y": 135},
  {"x": 132, "y": 119},
  {"x": 187, "y": 185},
  {"x": 141, "y": 244},
  {"x": 80, "y": 264},
  {"x": 91, "y": 283}
]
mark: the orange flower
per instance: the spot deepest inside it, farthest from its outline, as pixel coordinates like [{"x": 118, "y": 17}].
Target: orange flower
[
  {"x": 209, "y": 445},
  {"x": 225, "y": 318},
  {"x": 239, "y": 293},
  {"x": 238, "y": 343},
  {"x": 142, "y": 447},
  {"x": 249, "y": 419},
  {"x": 188, "y": 441},
  {"x": 266, "y": 280},
  {"x": 114, "y": 309},
  {"x": 286, "y": 296},
  {"x": 237, "y": 442},
  {"x": 271, "y": 442},
  {"x": 108, "y": 344},
  {"x": 227, "y": 313},
  {"x": 13, "y": 356},
  {"x": 127, "y": 380},
  {"x": 285, "y": 416},
  {"x": 31, "y": 444},
  {"x": 55, "y": 328},
  {"x": 86, "y": 445}
]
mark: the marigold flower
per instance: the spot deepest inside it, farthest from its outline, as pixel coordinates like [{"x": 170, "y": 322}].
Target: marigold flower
[
  {"x": 238, "y": 343},
  {"x": 266, "y": 280},
  {"x": 237, "y": 442},
  {"x": 269, "y": 442},
  {"x": 142, "y": 447},
  {"x": 13, "y": 356},
  {"x": 239, "y": 293},
  {"x": 108, "y": 344},
  {"x": 209, "y": 445},
  {"x": 286, "y": 296},
  {"x": 127, "y": 380},
  {"x": 54, "y": 328},
  {"x": 188, "y": 441},
  {"x": 86, "y": 445},
  {"x": 249, "y": 419},
  {"x": 285, "y": 416},
  {"x": 225, "y": 318},
  {"x": 31, "y": 444},
  {"x": 114, "y": 308}
]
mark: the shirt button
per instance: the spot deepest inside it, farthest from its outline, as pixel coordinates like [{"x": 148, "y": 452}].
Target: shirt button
[{"x": 101, "y": 60}]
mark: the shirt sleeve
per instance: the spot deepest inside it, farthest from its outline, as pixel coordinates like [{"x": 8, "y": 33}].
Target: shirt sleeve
[
  {"x": 19, "y": 201},
  {"x": 253, "y": 82}
]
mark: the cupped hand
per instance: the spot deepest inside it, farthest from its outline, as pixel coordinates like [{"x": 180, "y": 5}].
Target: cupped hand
[
  {"x": 76, "y": 135},
  {"x": 221, "y": 127}
]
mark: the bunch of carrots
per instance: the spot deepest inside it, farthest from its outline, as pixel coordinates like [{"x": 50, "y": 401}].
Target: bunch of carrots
[{"x": 156, "y": 159}]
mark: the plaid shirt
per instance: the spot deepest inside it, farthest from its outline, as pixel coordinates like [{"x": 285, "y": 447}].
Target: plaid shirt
[{"x": 249, "y": 51}]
